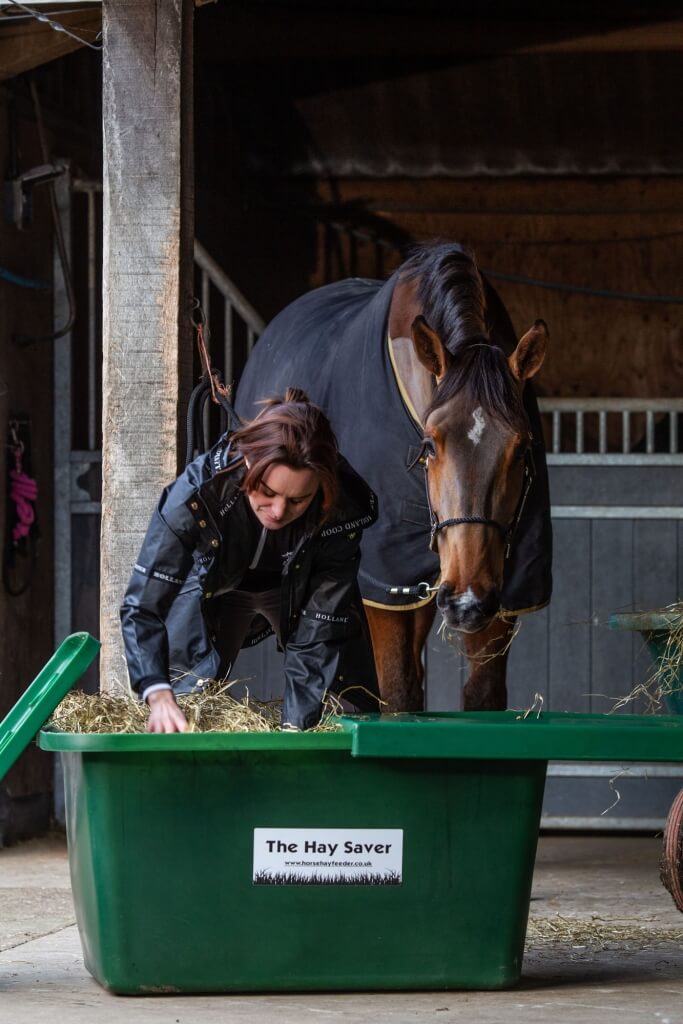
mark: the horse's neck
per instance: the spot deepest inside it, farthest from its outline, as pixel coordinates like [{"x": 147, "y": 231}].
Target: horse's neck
[{"x": 415, "y": 383}]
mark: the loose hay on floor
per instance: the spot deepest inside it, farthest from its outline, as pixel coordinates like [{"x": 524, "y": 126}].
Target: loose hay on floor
[
  {"x": 596, "y": 934},
  {"x": 212, "y": 710}
]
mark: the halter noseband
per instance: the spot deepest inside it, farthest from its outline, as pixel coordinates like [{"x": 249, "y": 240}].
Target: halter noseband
[{"x": 507, "y": 532}]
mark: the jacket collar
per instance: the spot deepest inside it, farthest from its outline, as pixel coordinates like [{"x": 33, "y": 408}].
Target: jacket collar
[{"x": 356, "y": 506}]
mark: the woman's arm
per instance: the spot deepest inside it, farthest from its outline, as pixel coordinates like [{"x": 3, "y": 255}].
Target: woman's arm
[
  {"x": 164, "y": 562},
  {"x": 328, "y": 622}
]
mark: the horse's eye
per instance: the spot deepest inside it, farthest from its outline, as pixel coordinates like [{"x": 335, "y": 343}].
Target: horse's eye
[
  {"x": 521, "y": 450},
  {"x": 429, "y": 447}
]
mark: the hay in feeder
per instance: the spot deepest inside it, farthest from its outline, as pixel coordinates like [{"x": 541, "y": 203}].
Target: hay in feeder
[
  {"x": 667, "y": 676},
  {"x": 83, "y": 712},
  {"x": 595, "y": 934},
  {"x": 212, "y": 710}
]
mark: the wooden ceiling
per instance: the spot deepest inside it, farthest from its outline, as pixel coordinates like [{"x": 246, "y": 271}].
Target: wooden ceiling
[
  {"x": 26, "y": 43},
  {"x": 242, "y": 31}
]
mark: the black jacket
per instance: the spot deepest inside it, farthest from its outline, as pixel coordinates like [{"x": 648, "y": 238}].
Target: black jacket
[{"x": 198, "y": 542}]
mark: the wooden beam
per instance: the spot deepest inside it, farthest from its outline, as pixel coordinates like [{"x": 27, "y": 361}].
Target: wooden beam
[
  {"x": 232, "y": 35},
  {"x": 26, "y": 44},
  {"x": 147, "y": 281},
  {"x": 658, "y": 36}
]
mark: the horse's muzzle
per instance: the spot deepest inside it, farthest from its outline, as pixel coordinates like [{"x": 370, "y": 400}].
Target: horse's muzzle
[{"x": 465, "y": 611}]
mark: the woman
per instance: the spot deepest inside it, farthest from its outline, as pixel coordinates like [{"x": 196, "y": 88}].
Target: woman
[{"x": 259, "y": 535}]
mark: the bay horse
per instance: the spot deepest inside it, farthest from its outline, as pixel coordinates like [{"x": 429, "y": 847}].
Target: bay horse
[{"x": 426, "y": 388}]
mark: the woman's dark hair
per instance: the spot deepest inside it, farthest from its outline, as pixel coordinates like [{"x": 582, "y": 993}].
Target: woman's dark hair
[{"x": 290, "y": 431}]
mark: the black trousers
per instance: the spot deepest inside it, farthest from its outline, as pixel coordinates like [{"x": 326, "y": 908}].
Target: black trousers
[{"x": 238, "y": 609}]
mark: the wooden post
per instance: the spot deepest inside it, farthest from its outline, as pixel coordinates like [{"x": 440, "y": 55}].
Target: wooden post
[{"x": 147, "y": 282}]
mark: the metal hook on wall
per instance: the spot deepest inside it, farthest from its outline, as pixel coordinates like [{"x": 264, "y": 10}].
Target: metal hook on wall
[{"x": 15, "y": 443}]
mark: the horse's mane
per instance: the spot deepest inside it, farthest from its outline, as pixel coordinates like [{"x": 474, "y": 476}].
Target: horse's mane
[{"x": 451, "y": 292}]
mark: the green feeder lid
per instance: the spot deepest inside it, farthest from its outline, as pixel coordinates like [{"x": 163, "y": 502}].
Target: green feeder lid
[
  {"x": 516, "y": 735},
  {"x": 35, "y": 706}
]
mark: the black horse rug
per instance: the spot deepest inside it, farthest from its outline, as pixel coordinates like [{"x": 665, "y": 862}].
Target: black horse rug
[{"x": 333, "y": 342}]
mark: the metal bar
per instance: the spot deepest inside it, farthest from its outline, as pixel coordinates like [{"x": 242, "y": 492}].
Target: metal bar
[
  {"x": 589, "y": 770},
  {"x": 615, "y": 459},
  {"x": 62, "y": 430},
  {"x": 602, "y": 431},
  {"x": 606, "y": 822},
  {"x": 228, "y": 360},
  {"x": 206, "y": 303},
  {"x": 556, "y": 431},
  {"x": 616, "y": 511},
  {"x": 86, "y": 508},
  {"x": 92, "y": 320},
  {"x": 86, "y": 185},
  {"x": 673, "y": 432},
  {"x": 579, "y": 431},
  {"x": 251, "y": 339},
  {"x": 610, "y": 404},
  {"x": 85, "y": 456},
  {"x": 227, "y": 288},
  {"x": 649, "y": 431},
  {"x": 625, "y": 430},
  {"x": 62, "y": 378}
]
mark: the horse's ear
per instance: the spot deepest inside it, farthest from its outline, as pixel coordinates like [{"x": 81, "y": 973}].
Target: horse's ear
[
  {"x": 528, "y": 357},
  {"x": 428, "y": 346}
]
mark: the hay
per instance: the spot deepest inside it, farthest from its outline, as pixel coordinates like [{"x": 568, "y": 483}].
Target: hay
[
  {"x": 454, "y": 638},
  {"x": 596, "y": 934},
  {"x": 536, "y": 707},
  {"x": 666, "y": 677},
  {"x": 212, "y": 710}
]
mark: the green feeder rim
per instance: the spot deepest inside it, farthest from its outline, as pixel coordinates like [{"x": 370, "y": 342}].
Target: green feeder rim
[
  {"x": 36, "y": 704},
  {"x": 662, "y": 620},
  {"x": 514, "y": 735},
  {"x": 458, "y": 735}
]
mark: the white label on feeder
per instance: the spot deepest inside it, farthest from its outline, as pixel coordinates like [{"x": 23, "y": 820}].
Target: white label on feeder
[{"x": 328, "y": 856}]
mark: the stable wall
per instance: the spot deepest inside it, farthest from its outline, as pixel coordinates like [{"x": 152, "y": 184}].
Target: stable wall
[
  {"x": 557, "y": 166},
  {"x": 606, "y": 234},
  {"x": 26, "y": 394},
  {"x": 68, "y": 89}
]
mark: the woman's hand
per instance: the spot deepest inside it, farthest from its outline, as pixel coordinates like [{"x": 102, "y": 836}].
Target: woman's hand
[{"x": 164, "y": 713}]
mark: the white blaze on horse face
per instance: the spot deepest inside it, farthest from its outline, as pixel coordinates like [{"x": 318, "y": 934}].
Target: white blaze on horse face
[
  {"x": 479, "y": 426},
  {"x": 466, "y": 601}
]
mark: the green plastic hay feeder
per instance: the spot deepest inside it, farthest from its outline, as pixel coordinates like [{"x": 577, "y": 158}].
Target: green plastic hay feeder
[
  {"x": 656, "y": 628},
  {"x": 397, "y": 853}
]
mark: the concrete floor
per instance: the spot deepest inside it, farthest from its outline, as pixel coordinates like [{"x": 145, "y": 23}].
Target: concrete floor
[{"x": 613, "y": 879}]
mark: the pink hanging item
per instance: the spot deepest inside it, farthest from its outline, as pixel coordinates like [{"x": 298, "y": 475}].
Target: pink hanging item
[{"x": 23, "y": 492}]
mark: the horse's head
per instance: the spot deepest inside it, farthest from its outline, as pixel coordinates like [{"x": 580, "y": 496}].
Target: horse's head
[{"x": 478, "y": 464}]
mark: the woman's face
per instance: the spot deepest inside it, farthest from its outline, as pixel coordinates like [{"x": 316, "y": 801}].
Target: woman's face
[{"x": 283, "y": 495}]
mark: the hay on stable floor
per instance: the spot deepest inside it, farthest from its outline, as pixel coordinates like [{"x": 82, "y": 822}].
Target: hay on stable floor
[
  {"x": 596, "y": 934},
  {"x": 212, "y": 710}
]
